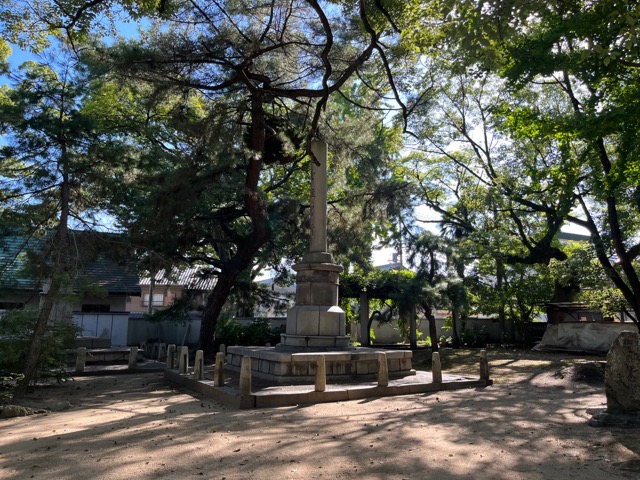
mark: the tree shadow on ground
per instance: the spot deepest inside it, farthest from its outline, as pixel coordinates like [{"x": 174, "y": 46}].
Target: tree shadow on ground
[{"x": 135, "y": 425}]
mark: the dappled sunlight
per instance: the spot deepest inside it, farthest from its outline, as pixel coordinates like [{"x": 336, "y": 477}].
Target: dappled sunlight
[
  {"x": 140, "y": 427},
  {"x": 511, "y": 366}
]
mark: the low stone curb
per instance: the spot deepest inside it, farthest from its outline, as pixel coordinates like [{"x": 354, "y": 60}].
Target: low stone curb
[{"x": 304, "y": 394}]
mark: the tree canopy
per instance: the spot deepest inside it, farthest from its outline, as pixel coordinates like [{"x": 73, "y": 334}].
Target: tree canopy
[
  {"x": 533, "y": 127},
  {"x": 208, "y": 116},
  {"x": 507, "y": 118}
]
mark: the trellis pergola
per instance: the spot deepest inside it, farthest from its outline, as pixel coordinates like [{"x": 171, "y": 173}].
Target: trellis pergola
[{"x": 395, "y": 285}]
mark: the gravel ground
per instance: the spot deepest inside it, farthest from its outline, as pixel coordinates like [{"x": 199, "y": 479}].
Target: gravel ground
[{"x": 531, "y": 424}]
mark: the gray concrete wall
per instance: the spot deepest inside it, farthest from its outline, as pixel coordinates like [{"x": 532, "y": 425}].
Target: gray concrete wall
[
  {"x": 140, "y": 330},
  {"x": 389, "y": 333},
  {"x": 126, "y": 331}
]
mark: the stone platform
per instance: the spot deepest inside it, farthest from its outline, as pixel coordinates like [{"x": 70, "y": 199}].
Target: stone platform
[
  {"x": 265, "y": 395},
  {"x": 283, "y": 367}
]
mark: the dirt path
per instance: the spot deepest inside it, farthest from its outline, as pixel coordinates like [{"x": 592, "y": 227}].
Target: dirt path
[{"x": 530, "y": 425}]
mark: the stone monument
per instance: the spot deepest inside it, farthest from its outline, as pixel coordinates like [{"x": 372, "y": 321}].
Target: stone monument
[
  {"x": 622, "y": 384},
  {"x": 316, "y": 322},
  {"x": 622, "y": 374},
  {"x": 316, "y": 325}
]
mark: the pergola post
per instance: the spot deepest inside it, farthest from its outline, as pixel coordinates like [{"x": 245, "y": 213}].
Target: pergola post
[
  {"x": 413, "y": 338},
  {"x": 365, "y": 340}
]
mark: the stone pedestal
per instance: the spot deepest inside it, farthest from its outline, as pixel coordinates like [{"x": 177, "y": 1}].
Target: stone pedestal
[
  {"x": 316, "y": 322},
  {"x": 299, "y": 367}
]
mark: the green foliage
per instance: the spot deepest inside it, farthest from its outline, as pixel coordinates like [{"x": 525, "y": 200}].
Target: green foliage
[
  {"x": 17, "y": 329},
  {"x": 32, "y": 24},
  {"x": 228, "y": 332},
  {"x": 352, "y": 312},
  {"x": 204, "y": 118},
  {"x": 46, "y": 177},
  {"x": 390, "y": 294},
  {"x": 523, "y": 291},
  {"x": 258, "y": 333},
  {"x": 475, "y": 337},
  {"x": 581, "y": 267},
  {"x": 383, "y": 284},
  {"x": 572, "y": 69},
  {"x": 592, "y": 286},
  {"x": 531, "y": 126}
]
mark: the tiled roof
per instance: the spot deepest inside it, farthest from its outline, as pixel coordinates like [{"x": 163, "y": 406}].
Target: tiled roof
[
  {"x": 13, "y": 256},
  {"x": 192, "y": 278},
  {"x": 391, "y": 266},
  {"x": 573, "y": 237},
  {"x": 110, "y": 275},
  {"x": 94, "y": 266}
]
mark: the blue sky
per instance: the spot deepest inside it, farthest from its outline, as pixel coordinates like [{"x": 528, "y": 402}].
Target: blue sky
[{"x": 19, "y": 56}]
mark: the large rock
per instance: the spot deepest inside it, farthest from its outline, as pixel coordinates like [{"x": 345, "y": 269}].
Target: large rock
[
  {"x": 11, "y": 411},
  {"x": 622, "y": 374}
]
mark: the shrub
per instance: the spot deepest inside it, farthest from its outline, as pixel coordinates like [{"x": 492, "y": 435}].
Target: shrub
[
  {"x": 228, "y": 332},
  {"x": 17, "y": 329},
  {"x": 259, "y": 332},
  {"x": 476, "y": 337}
]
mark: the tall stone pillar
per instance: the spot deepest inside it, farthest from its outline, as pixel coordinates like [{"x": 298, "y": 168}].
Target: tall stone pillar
[
  {"x": 316, "y": 322},
  {"x": 318, "y": 240}
]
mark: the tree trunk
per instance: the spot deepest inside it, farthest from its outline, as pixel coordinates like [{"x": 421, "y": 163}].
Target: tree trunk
[
  {"x": 630, "y": 288},
  {"x": 413, "y": 338},
  {"x": 502, "y": 313},
  {"x": 365, "y": 337},
  {"x": 457, "y": 298},
  {"x": 32, "y": 361},
  {"x": 433, "y": 332},
  {"x": 455, "y": 336},
  {"x": 59, "y": 256},
  {"x": 225, "y": 282},
  {"x": 249, "y": 245},
  {"x": 152, "y": 287},
  {"x": 211, "y": 313}
]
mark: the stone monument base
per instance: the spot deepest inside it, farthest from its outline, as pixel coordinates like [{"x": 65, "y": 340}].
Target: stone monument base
[
  {"x": 603, "y": 418},
  {"x": 315, "y": 343},
  {"x": 282, "y": 367}
]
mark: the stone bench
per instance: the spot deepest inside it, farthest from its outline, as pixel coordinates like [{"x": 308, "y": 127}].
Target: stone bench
[{"x": 132, "y": 355}]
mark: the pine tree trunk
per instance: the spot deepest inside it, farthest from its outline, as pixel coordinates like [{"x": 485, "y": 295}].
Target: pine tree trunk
[
  {"x": 58, "y": 255},
  {"x": 37, "y": 339},
  {"x": 251, "y": 243},
  {"x": 455, "y": 336},
  {"x": 211, "y": 313}
]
